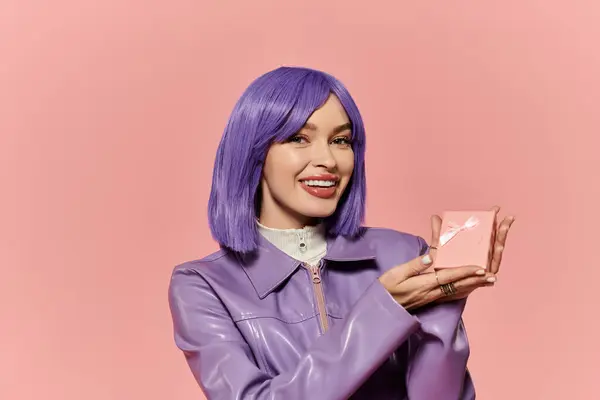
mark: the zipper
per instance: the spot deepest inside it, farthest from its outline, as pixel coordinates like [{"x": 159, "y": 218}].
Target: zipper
[{"x": 315, "y": 274}]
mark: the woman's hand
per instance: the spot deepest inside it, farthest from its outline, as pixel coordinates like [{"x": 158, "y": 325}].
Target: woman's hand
[
  {"x": 412, "y": 289},
  {"x": 500, "y": 236}
]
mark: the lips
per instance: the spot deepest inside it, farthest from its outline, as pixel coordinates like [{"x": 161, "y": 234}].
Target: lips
[
  {"x": 321, "y": 177},
  {"x": 321, "y": 186}
]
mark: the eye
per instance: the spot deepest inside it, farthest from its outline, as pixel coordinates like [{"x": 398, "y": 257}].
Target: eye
[
  {"x": 297, "y": 139},
  {"x": 342, "y": 141}
]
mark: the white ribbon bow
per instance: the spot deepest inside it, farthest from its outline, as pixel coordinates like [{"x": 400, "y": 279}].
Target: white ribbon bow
[{"x": 454, "y": 229}]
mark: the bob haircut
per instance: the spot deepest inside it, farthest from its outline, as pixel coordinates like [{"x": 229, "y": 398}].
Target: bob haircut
[{"x": 272, "y": 109}]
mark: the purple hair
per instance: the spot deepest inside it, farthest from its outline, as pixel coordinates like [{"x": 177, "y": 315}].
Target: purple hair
[{"x": 273, "y": 108}]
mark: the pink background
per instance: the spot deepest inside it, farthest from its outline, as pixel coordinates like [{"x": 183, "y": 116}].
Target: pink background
[{"x": 111, "y": 111}]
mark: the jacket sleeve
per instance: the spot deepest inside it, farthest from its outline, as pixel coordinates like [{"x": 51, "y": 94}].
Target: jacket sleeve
[
  {"x": 439, "y": 353},
  {"x": 332, "y": 368}
]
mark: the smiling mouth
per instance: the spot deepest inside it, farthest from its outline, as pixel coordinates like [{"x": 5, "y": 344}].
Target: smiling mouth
[
  {"x": 324, "y": 187},
  {"x": 319, "y": 183}
]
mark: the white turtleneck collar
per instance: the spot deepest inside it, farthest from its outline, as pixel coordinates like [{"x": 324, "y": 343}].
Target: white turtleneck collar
[{"x": 307, "y": 244}]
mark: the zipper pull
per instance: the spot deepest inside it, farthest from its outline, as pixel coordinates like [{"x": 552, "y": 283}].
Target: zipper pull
[
  {"x": 316, "y": 276},
  {"x": 302, "y": 244}
]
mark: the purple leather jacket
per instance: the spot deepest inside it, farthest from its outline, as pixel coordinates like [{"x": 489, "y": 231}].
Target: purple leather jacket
[{"x": 268, "y": 327}]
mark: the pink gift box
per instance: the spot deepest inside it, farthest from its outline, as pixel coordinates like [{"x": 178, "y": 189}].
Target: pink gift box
[{"x": 466, "y": 238}]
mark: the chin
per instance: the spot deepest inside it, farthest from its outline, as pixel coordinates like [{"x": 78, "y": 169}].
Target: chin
[{"x": 319, "y": 212}]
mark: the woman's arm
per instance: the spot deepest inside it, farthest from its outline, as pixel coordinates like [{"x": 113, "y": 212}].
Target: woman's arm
[
  {"x": 439, "y": 353},
  {"x": 333, "y": 368}
]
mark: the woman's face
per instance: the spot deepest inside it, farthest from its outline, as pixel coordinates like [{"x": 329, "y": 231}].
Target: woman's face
[{"x": 304, "y": 177}]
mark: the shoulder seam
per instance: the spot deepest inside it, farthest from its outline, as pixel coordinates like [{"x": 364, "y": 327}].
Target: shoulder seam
[
  {"x": 380, "y": 228},
  {"x": 203, "y": 260}
]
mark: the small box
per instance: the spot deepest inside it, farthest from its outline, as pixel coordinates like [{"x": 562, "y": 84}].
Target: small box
[{"x": 466, "y": 238}]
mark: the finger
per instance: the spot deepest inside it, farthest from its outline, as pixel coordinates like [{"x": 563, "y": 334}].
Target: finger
[
  {"x": 500, "y": 243},
  {"x": 504, "y": 228},
  {"x": 436, "y": 227},
  {"x": 466, "y": 286},
  {"x": 473, "y": 282},
  {"x": 462, "y": 295},
  {"x": 412, "y": 268},
  {"x": 454, "y": 274},
  {"x": 496, "y": 211}
]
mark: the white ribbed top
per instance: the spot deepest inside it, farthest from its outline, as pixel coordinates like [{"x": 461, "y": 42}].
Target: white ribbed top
[{"x": 290, "y": 242}]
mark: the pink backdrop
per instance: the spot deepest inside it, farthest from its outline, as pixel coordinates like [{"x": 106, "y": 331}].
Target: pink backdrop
[{"x": 111, "y": 111}]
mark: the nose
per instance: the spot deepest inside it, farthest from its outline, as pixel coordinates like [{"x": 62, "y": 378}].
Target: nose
[{"x": 323, "y": 157}]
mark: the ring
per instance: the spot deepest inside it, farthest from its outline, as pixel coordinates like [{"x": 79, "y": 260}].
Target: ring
[
  {"x": 436, "y": 278},
  {"x": 448, "y": 289},
  {"x": 433, "y": 247}
]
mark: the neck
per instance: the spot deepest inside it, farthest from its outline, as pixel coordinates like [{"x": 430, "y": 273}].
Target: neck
[
  {"x": 307, "y": 244},
  {"x": 276, "y": 215},
  {"x": 286, "y": 220}
]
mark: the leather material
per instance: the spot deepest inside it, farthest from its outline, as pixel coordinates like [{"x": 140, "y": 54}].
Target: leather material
[{"x": 249, "y": 326}]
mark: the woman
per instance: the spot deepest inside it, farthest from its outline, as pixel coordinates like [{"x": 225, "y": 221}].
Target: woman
[{"x": 302, "y": 302}]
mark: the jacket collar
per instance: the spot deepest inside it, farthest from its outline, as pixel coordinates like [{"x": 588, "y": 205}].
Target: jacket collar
[{"x": 269, "y": 267}]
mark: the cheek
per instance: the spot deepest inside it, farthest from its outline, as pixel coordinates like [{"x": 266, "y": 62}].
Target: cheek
[
  {"x": 281, "y": 165},
  {"x": 346, "y": 163}
]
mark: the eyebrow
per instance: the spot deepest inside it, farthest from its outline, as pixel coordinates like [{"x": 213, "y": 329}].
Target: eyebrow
[{"x": 341, "y": 128}]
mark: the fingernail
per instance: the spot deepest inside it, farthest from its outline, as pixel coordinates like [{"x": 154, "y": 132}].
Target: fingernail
[
  {"x": 491, "y": 279},
  {"x": 480, "y": 272},
  {"x": 426, "y": 259}
]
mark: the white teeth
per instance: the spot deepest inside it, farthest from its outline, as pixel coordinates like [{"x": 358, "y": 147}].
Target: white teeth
[{"x": 320, "y": 183}]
